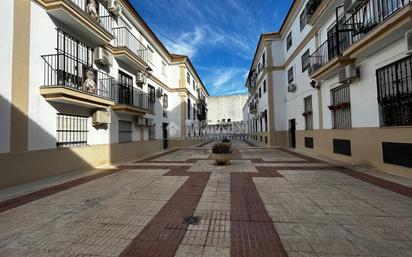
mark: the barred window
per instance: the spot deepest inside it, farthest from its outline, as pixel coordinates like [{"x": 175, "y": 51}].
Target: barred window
[
  {"x": 308, "y": 114},
  {"x": 264, "y": 86},
  {"x": 303, "y": 19},
  {"x": 395, "y": 93},
  {"x": 125, "y": 131},
  {"x": 305, "y": 60},
  {"x": 290, "y": 75},
  {"x": 289, "y": 41},
  {"x": 165, "y": 101},
  {"x": 152, "y": 132},
  {"x": 152, "y": 94},
  {"x": 341, "y": 114},
  {"x": 71, "y": 130}
]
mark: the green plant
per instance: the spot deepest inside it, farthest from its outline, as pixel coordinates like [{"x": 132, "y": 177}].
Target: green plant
[
  {"x": 225, "y": 140},
  {"x": 221, "y": 148}
]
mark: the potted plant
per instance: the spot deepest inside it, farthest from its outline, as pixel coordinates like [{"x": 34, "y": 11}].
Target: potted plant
[
  {"x": 227, "y": 141},
  {"x": 221, "y": 153}
]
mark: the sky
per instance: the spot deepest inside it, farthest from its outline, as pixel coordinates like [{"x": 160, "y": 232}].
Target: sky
[{"x": 219, "y": 36}]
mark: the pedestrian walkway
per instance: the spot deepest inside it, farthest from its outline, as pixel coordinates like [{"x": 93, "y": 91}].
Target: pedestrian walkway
[{"x": 269, "y": 202}]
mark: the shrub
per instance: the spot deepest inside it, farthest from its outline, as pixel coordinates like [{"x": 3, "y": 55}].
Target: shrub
[
  {"x": 225, "y": 140},
  {"x": 221, "y": 148}
]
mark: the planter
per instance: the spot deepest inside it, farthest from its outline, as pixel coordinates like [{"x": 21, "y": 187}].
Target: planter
[{"x": 221, "y": 159}]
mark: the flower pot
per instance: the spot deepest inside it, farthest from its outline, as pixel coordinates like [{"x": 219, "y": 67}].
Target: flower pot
[{"x": 221, "y": 159}]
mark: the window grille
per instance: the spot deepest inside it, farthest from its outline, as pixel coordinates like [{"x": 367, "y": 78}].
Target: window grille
[
  {"x": 290, "y": 75},
  {"x": 341, "y": 113},
  {"x": 308, "y": 114},
  {"x": 394, "y": 83},
  {"x": 305, "y": 60},
  {"x": 125, "y": 131},
  {"x": 71, "y": 130}
]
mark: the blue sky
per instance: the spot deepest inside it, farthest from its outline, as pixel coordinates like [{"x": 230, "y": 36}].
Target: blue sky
[{"x": 219, "y": 36}]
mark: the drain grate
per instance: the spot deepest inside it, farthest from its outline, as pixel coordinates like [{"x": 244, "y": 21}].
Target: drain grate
[{"x": 192, "y": 220}]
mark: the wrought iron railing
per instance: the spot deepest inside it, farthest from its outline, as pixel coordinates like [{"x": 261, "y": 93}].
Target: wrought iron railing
[
  {"x": 329, "y": 50},
  {"x": 363, "y": 20},
  {"x": 66, "y": 71},
  {"x": 394, "y": 83},
  {"x": 368, "y": 16},
  {"x": 129, "y": 95},
  {"x": 97, "y": 11},
  {"x": 125, "y": 38}
]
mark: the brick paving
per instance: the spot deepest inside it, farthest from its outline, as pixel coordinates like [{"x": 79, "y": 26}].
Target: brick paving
[{"x": 269, "y": 202}]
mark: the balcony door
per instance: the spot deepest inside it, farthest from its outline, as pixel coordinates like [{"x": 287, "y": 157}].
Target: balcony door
[{"x": 125, "y": 89}]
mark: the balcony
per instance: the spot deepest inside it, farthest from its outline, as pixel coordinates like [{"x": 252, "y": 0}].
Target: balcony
[
  {"x": 130, "y": 100},
  {"x": 370, "y": 27},
  {"x": 327, "y": 59},
  {"x": 89, "y": 19},
  {"x": 374, "y": 25},
  {"x": 67, "y": 80},
  {"x": 128, "y": 49}
]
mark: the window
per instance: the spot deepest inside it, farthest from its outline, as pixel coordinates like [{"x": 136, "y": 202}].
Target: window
[
  {"x": 260, "y": 92},
  {"x": 125, "y": 131},
  {"x": 305, "y": 60},
  {"x": 152, "y": 94},
  {"x": 308, "y": 114},
  {"x": 188, "y": 109},
  {"x": 152, "y": 132},
  {"x": 340, "y": 99},
  {"x": 194, "y": 84},
  {"x": 188, "y": 78},
  {"x": 163, "y": 68},
  {"x": 71, "y": 130},
  {"x": 150, "y": 54},
  {"x": 125, "y": 88},
  {"x": 395, "y": 93},
  {"x": 290, "y": 75},
  {"x": 264, "y": 86},
  {"x": 264, "y": 60},
  {"x": 289, "y": 41},
  {"x": 303, "y": 19},
  {"x": 165, "y": 101}
]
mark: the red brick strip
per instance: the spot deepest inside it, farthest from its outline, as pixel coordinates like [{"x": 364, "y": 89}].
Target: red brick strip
[
  {"x": 163, "y": 235},
  {"x": 27, "y": 198},
  {"x": 252, "y": 231}
]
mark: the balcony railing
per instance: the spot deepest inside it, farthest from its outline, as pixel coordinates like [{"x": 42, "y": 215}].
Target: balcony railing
[
  {"x": 132, "y": 96},
  {"x": 361, "y": 22},
  {"x": 97, "y": 11},
  {"x": 369, "y": 16},
  {"x": 124, "y": 38},
  {"x": 66, "y": 71}
]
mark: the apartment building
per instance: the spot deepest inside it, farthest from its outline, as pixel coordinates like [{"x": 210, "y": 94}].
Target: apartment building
[
  {"x": 336, "y": 80},
  {"x": 86, "y": 83}
]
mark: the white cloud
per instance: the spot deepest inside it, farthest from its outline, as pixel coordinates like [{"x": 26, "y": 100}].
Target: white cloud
[
  {"x": 226, "y": 80},
  {"x": 187, "y": 43}
]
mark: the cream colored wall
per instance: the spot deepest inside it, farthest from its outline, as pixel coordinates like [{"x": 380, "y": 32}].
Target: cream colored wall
[{"x": 366, "y": 145}]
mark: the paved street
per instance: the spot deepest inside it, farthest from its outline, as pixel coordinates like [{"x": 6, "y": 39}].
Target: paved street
[{"x": 269, "y": 202}]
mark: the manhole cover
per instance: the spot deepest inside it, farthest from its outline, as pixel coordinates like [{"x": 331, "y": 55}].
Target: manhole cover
[{"x": 191, "y": 220}]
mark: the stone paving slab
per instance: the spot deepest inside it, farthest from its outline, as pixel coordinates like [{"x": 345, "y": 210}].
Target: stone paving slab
[
  {"x": 269, "y": 202},
  {"x": 235, "y": 166}
]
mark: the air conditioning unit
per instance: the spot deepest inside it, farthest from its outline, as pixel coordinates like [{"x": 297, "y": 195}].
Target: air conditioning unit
[
  {"x": 140, "y": 121},
  {"x": 159, "y": 92},
  {"x": 408, "y": 37},
  {"x": 103, "y": 57},
  {"x": 149, "y": 122},
  {"x": 352, "y": 6},
  {"x": 101, "y": 117},
  {"x": 114, "y": 7},
  {"x": 348, "y": 73},
  {"x": 140, "y": 78},
  {"x": 292, "y": 88}
]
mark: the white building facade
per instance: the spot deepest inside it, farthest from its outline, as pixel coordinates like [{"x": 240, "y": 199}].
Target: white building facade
[
  {"x": 336, "y": 81},
  {"x": 86, "y": 83}
]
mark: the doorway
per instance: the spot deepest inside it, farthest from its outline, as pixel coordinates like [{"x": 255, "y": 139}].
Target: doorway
[
  {"x": 292, "y": 133},
  {"x": 164, "y": 131}
]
